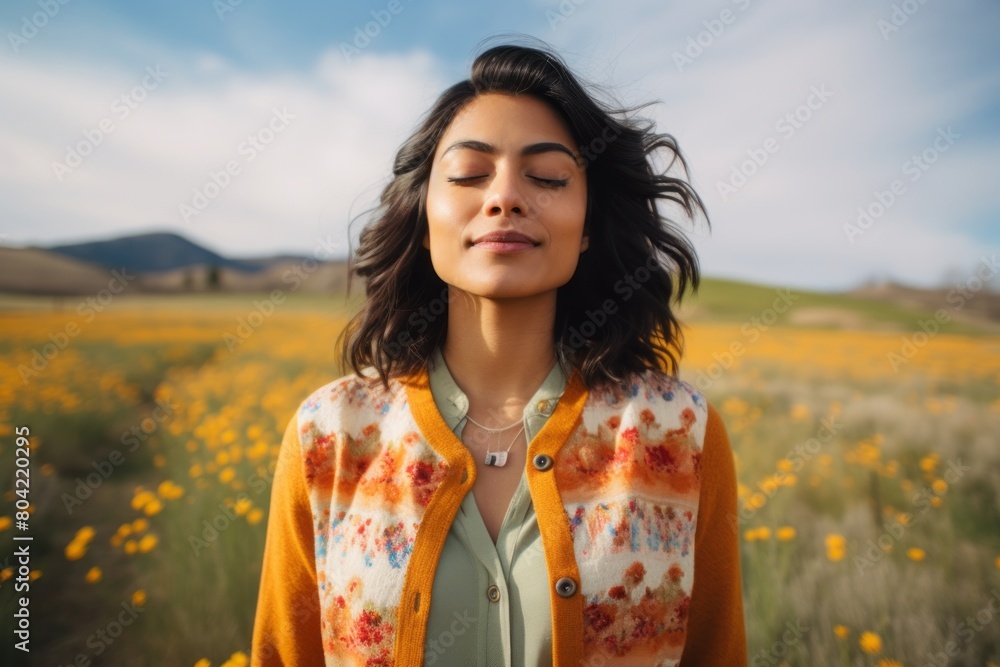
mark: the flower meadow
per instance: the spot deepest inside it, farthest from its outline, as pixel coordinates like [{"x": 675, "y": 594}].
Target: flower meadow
[{"x": 869, "y": 480}]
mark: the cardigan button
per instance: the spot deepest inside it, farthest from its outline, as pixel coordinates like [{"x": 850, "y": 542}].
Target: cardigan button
[
  {"x": 542, "y": 461},
  {"x": 493, "y": 593},
  {"x": 566, "y": 587},
  {"x": 545, "y": 407}
]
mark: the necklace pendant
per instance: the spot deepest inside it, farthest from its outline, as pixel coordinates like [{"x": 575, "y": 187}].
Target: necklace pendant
[{"x": 497, "y": 459}]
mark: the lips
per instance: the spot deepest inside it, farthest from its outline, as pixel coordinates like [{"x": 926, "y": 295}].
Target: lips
[{"x": 504, "y": 237}]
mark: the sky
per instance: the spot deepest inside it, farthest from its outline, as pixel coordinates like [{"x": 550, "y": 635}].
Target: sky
[{"x": 833, "y": 143}]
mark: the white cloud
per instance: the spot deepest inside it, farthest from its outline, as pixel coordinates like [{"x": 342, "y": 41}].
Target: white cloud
[
  {"x": 785, "y": 225},
  {"x": 342, "y": 124}
]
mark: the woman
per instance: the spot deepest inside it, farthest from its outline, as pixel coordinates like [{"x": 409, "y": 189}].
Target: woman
[{"x": 513, "y": 474}]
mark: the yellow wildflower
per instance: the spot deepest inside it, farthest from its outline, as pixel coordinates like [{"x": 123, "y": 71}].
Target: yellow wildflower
[
  {"x": 835, "y": 547},
  {"x": 75, "y": 550},
  {"x": 870, "y": 642},
  {"x": 768, "y": 484},
  {"x": 153, "y": 507},
  {"x": 141, "y": 499},
  {"x": 147, "y": 543}
]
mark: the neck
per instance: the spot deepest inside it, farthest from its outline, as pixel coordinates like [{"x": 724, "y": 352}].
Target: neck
[{"x": 501, "y": 352}]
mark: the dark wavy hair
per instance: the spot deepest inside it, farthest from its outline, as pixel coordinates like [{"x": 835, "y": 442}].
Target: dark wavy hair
[{"x": 614, "y": 316}]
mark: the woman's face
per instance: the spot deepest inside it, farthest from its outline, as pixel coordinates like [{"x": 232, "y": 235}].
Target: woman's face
[{"x": 506, "y": 164}]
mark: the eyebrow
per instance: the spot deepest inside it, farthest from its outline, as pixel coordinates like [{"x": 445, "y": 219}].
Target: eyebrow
[{"x": 530, "y": 149}]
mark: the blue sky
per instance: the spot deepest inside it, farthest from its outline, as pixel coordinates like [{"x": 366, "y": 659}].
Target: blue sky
[{"x": 838, "y": 97}]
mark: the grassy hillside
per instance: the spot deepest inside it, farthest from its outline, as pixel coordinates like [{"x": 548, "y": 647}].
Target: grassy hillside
[{"x": 720, "y": 300}]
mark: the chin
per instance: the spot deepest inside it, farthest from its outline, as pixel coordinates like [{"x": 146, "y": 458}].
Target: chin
[{"x": 512, "y": 289}]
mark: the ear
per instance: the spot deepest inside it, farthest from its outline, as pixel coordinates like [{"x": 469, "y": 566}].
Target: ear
[
  {"x": 584, "y": 243},
  {"x": 427, "y": 240}
]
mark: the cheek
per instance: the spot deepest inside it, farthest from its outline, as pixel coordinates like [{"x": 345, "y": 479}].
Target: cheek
[
  {"x": 445, "y": 208},
  {"x": 568, "y": 219},
  {"x": 566, "y": 233}
]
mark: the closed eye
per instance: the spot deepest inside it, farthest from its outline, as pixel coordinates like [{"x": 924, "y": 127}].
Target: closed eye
[
  {"x": 552, "y": 182},
  {"x": 546, "y": 182},
  {"x": 463, "y": 179}
]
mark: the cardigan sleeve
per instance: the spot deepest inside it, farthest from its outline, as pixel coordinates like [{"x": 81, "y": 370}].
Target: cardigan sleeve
[
  {"x": 716, "y": 634},
  {"x": 286, "y": 627}
]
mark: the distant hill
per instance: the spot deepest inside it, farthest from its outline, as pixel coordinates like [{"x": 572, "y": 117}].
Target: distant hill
[
  {"x": 157, "y": 251},
  {"x": 161, "y": 262},
  {"x": 34, "y": 271}
]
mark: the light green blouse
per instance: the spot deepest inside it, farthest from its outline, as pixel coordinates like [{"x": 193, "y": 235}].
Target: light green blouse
[{"x": 490, "y": 603}]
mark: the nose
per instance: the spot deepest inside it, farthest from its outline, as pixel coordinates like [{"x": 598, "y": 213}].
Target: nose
[{"x": 504, "y": 196}]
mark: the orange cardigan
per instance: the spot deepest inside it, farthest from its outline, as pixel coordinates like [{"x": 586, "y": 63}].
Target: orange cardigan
[{"x": 637, "y": 491}]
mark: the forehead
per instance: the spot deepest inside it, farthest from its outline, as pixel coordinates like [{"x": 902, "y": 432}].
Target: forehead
[{"x": 506, "y": 121}]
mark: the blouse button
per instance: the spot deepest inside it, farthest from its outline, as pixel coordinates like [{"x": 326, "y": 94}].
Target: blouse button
[
  {"x": 565, "y": 587},
  {"x": 542, "y": 461},
  {"x": 493, "y": 593}
]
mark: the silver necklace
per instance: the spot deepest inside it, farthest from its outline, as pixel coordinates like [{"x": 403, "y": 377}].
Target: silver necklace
[
  {"x": 487, "y": 428},
  {"x": 497, "y": 458}
]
